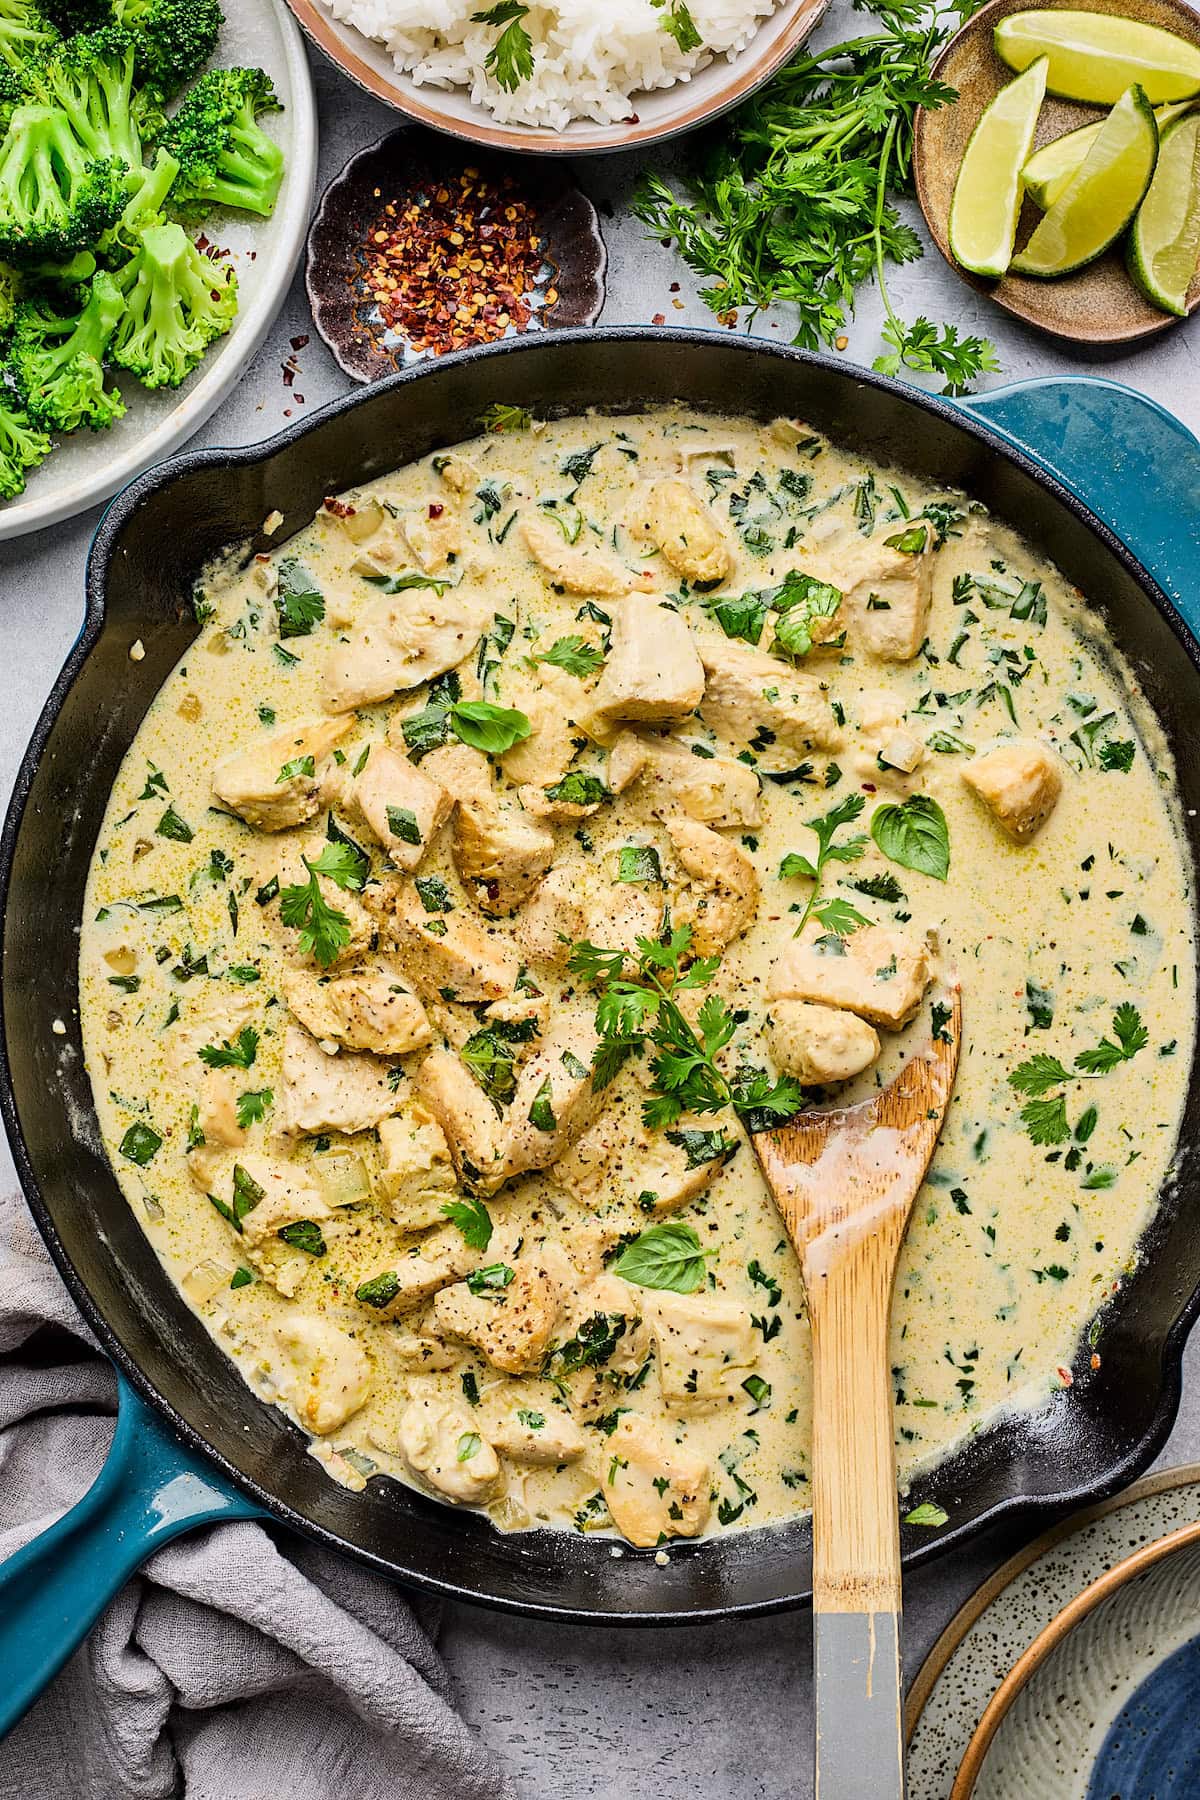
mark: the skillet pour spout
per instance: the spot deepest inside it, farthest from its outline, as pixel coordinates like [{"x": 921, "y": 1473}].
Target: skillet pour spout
[{"x": 153, "y": 541}]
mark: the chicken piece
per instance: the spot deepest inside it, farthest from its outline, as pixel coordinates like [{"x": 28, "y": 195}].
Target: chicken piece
[
  {"x": 538, "y": 804},
  {"x": 705, "y": 1347},
  {"x": 887, "y": 592},
  {"x": 716, "y": 790},
  {"x": 213, "y": 1092},
  {"x": 656, "y": 1489},
  {"x": 554, "y": 1101},
  {"x": 322, "y": 1372},
  {"x": 476, "y": 1135},
  {"x": 553, "y": 919},
  {"x": 580, "y": 568},
  {"x": 1019, "y": 783},
  {"x": 525, "y": 1009},
  {"x": 619, "y": 1163},
  {"x": 346, "y": 1092},
  {"x": 368, "y": 1009},
  {"x": 500, "y": 853},
  {"x": 460, "y": 475},
  {"x": 420, "y": 1354},
  {"x": 402, "y": 640},
  {"x": 721, "y": 898},
  {"x": 416, "y": 1174},
  {"x": 399, "y": 803},
  {"x": 619, "y": 1304},
  {"x": 748, "y": 692},
  {"x": 281, "y": 780},
  {"x": 653, "y": 670},
  {"x": 445, "y": 952},
  {"x": 441, "y": 1443},
  {"x": 677, "y": 520},
  {"x": 540, "y": 1440},
  {"x": 511, "y": 1326},
  {"x": 465, "y": 774},
  {"x": 552, "y": 704},
  {"x": 820, "y": 1044},
  {"x": 279, "y": 1194},
  {"x": 877, "y": 973},
  {"x": 433, "y": 534},
  {"x": 444, "y": 1257},
  {"x": 290, "y": 869}
]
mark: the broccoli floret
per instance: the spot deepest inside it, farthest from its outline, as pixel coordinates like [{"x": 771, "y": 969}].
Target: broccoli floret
[
  {"x": 174, "y": 39},
  {"x": 70, "y": 273},
  {"x": 10, "y": 296},
  {"x": 91, "y": 78},
  {"x": 22, "y": 445},
  {"x": 24, "y": 31},
  {"x": 54, "y": 197},
  {"x": 58, "y": 363},
  {"x": 176, "y": 303},
  {"x": 78, "y": 15},
  {"x": 224, "y": 158}
]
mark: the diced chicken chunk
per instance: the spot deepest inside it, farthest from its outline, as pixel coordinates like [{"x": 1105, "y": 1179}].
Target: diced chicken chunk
[
  {"x": 538, "y": 1438},
  {"x": 875, "y": 972},
  {"x": 412, "y": 1279},
  {"x": 465, "y": 774},
  {"x": 403, "y": 640},
  {"x": 500, "y": 853},
  {"x": 282, "y": 1194},
  {"x": 748, "y": 692},
  {"x": 619, "y": 1163},
  {"x": 580, "y": 568},
  {"x": 459, "y": 474},
  {"x": 716, "y": 790},
  {"x": 555, "y": 1100},
  {"x": 460, "y": 957},
  {"x": 368, "y": 1009},
  {"x": 684, "y": 529},
  {"x": 441, "y": 1443},
  {"x": 552, "y": 704},
  {"x": 705, "y": 1346},
  {"x": 511, "y": 1326},
  {"x": 346, "y": 1092},
  {"x": 476, "y": 1135},
  {"x": 657, "y": 1489},
  {"x": 213, "y": 1092},
  {"x": 321, "y": 1371},
  {"x": 653, "y": 670},
  {"x": 280, "y": 781},
  {"x": 553, "y": 919},
  {"x": 416, "y": 1174},
  {"x": 721, "y": 898},
  {"x": 820, "y": 1044},
  {"x": 433, "y": 534},
  {"x": 1019, "y": 783},
  {"x": 399, "y": 803},
  {"x": 888, "y": 592}
]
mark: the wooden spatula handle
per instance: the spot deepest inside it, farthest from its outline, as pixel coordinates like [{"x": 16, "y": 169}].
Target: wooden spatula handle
[{"x": 856, "y": 1533}]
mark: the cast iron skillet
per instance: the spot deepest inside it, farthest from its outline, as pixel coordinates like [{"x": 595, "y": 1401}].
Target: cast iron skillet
[{"x": 157, "y": 534}]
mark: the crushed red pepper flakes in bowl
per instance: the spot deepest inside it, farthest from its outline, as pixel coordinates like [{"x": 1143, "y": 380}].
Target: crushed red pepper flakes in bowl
[{"x": 416, "y": 250}]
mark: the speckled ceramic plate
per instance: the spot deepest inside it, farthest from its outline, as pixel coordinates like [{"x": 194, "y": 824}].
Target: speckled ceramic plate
[
  {"x": 570, "y": 289},
  {"x": 87, "y": 467},
  {"x": 652, "y": 117},
  {"x": 1043, "y": 1741},
  {"x": 1100, "y": 304}
]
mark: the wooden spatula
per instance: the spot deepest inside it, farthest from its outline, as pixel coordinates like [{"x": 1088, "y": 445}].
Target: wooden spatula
[{"x": 844, "y": 1181}]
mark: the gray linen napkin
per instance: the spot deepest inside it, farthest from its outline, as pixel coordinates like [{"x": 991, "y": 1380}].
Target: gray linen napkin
[{"x": 232, "y": 1667}]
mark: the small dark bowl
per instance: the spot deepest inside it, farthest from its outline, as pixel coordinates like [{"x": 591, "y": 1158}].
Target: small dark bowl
[{"x": 343, "y": 309}]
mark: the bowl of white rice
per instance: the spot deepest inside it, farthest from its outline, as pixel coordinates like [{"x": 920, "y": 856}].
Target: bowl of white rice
[{"x": 560, "y": 77}]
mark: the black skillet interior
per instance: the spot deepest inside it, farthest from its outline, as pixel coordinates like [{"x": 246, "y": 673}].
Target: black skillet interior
[{"x": 154, "y": 539}]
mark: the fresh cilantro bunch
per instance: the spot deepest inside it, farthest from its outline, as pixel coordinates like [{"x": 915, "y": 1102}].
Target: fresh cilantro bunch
[
  {"x": 793, "y": 200},
  {"x": 638, "y": 1007}
]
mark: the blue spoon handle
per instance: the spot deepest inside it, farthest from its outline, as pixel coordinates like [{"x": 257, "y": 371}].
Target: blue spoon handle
[
  {"x": 150, "y": 1490},
  {"x": 1131, "y": 462}
]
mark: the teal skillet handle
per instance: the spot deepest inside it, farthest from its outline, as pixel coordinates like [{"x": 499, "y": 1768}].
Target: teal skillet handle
[
  {"x": 1127, "y": 459},
  {"x": 150, "y": 1490}
]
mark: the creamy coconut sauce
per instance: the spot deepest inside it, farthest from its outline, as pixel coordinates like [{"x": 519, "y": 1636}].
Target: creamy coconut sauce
[{"x": 526, "y": 1375}]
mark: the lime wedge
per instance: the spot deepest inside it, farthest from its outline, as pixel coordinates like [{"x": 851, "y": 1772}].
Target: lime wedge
[
  {"x": 1165, "y": 239},
  {"x": 1049, "y": 170},
  {"x": 1101, "y": 197},
  {"x": 988, "y": 191},
  {"x": 1096, "y": 56}
]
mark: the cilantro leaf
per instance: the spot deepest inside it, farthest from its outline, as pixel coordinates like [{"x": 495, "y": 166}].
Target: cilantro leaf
[
  {"x": 510, "y": 58},
  {"x": 574, "y": 654},
  {"x": 298, "y": 600},
  {"x": 252, "y": 1106},
  {"x": 473, "y": 1220},
  {"x": 239, "y": 1054}
]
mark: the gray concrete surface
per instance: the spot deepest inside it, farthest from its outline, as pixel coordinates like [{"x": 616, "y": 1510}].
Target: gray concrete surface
[{"x": 724, "y": 1713}]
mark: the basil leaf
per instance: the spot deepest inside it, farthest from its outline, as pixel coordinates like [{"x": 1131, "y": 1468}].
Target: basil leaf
[
  {"x": 639, "y": 862},
  {"x": 577, "y": 789},
  {"x": 402, "y": 823},
  {"x": 664, "y": 1256},
  {"x": 304, "y": 1234},
  {"x": 492, "y": 729},
  {"x": 492, "y": 1280},
  {"x": 915, "y": 835},
  {"x": 928, "y": 1513},
  {"x": 380, "y": 1290},
  {"x": 140, "y": 1144}
]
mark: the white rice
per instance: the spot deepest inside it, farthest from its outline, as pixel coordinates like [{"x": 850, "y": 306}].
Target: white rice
[{"x": 589, "y": 56}]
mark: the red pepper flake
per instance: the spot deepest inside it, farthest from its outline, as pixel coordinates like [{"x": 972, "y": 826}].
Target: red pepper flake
[
  {"x": 456, "y": 259},
  {"x": 659, "y": 319},
  {"x": 339, "y": 508},
  {"x": 1066, "y": 1377},
  {"x": 435, "y": 509},
  {"x": 301, "y": 342}
]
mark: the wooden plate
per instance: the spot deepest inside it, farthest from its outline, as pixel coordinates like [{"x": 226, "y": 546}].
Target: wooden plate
[{"x": 1100, "y": 305}]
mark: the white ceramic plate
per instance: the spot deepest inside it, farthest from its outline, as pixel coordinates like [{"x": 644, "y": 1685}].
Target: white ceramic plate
[
  {"x": 87, "y": 467},
  {"x": 662, "y": 114}
]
